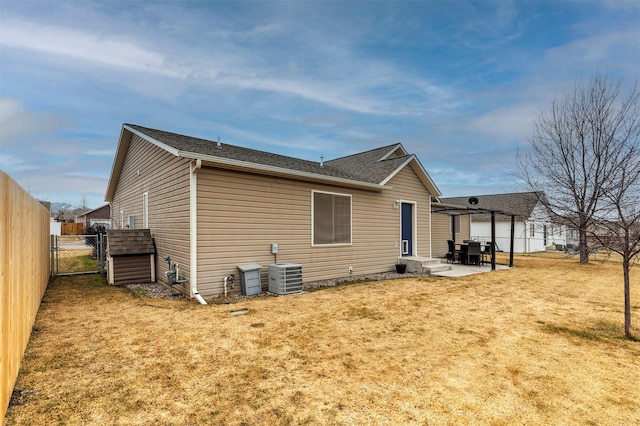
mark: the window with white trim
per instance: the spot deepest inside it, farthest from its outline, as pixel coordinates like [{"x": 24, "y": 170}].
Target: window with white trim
[{"x": 331, "y": 218}]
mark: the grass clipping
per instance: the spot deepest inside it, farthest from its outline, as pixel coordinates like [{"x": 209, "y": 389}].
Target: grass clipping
[{"x": 542, "y": 343}]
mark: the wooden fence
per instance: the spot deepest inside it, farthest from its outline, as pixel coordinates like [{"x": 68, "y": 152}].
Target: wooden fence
[
  {"x": 24, "y": 275},
  {"x": 73, "y": 228}
]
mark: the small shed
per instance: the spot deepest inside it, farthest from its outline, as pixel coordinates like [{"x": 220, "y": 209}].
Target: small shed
[{"x": 130, "y": 256}]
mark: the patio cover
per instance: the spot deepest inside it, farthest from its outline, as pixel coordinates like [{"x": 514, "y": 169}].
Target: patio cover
[{"x": 453, "y": 210}]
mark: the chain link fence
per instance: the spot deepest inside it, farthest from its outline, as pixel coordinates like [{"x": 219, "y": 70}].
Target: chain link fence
[{"x": 77, "y": 254}]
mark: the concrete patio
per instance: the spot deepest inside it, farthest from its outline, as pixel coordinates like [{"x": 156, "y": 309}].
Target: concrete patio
[
  {"x": 459, "y": 270},
  {"x": 440, "y": 267}
]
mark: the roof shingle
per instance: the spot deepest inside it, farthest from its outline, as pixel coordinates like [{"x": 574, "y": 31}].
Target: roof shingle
[
  {"x": 123, "y": 242},
  {"x": 520, "y": 203},
  {"x": 369, "y": 167}
]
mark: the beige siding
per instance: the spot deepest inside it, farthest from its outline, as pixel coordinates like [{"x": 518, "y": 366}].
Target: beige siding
[
  {"x": 240, "y": 215},
  {"x": 165, "y": 177},
  {"x": 441, "y": 230}
]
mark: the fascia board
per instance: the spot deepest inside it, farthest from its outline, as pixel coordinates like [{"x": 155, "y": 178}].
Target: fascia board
[
  {"x": 118, "y": 161},
  {"x": 156, "y": 142},
  {"x": 394, "y": 149},
  {"x": 93, "y": 210},
  {"x": 280, "y": 171},
  {"x": 422, "y": 174}
]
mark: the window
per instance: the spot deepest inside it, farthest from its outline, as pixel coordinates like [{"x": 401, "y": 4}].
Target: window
[
  {"x": 532, "y": 230},
  {"x": 145, "y": 210},
  {"x": 331, "y": 218},
  {"x": 456, "y": 223}
]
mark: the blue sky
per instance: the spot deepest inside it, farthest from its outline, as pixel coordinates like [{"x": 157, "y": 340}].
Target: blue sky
[{"x": 459, "y": 83}]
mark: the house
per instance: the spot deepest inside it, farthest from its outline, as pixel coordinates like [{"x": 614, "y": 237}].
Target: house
[
  {"x": 534, "y": 229},
  {"x": 100, "y": 216},
  {"x": 212, "y": 206}
]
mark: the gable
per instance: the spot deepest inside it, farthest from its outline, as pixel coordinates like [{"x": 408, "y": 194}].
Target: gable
[{"x": 103, "y": 212}]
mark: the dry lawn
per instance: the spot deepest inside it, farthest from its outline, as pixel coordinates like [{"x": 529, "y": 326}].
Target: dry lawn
[{"x": 539, "y": 344}]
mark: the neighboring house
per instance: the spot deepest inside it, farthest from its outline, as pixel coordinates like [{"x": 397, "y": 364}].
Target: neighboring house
[
  {"x": 99, "y": 216},
  {"x": 212, "y": 206},
  {"x": 442, "y": 226},
  {"x": 534, "y": 230}
]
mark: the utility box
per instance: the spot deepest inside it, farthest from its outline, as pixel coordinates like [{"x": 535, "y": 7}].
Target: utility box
[
  {"x": 250, "y": 279},
  {"x": 285, "y": 278}
]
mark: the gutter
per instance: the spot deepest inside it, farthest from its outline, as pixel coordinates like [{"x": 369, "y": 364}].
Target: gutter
[{"x": 194, "y": 166}]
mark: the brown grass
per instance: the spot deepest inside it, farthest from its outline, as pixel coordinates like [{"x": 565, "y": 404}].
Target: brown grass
[{"x": 539, "y": 344}]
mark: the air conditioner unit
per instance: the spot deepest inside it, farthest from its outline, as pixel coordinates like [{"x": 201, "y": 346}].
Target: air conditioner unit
[{"x": 285, "y": 278}]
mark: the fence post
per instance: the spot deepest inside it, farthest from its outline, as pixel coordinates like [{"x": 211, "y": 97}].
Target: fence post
[
  {"x": 101, "y": 252},
  {"x": 57, "y": 252},
  {"x": 51, "y": 271}
]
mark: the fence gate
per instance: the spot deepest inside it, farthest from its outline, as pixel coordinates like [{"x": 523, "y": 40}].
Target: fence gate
[{"x": 77, "y": 254}]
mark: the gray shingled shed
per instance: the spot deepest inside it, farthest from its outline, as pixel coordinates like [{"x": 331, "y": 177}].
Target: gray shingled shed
[{"x": 130, "y": 256}]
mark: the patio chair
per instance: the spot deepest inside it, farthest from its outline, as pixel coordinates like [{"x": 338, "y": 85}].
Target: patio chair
[
  {"x": 474, "y": 253},
  {"x": 451, "y": 254},
  {"x": 486, "y": 253}
]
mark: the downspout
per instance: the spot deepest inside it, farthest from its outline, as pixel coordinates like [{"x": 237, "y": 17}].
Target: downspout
[
  {"x": 430, "y": 230},
  {"x": 194, "y": 166}
]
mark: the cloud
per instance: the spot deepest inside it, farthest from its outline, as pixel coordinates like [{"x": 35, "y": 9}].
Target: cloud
[
  {"x": 607, "y": 51},
  {"x": 101, "y": 153},
  {"x": 105, "y": 49},
  {"x": 12, "y": 163},
  {"x": 504, "y": 125},
  {"x": 377, "y": 88},
  {"x": 18, "y": 122}
]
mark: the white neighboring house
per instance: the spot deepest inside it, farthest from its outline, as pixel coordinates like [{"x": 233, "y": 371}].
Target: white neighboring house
[{"x": 534, "y": 229}]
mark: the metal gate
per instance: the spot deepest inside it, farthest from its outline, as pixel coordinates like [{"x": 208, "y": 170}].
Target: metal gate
[{"x": 77, "y": 254}]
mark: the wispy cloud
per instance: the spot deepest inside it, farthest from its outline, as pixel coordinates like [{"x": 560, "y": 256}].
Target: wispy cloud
[
  {"x": 17, "y": 122},
  {"x": 83, "y": 45},
  {"x": 348, "y": 90}
]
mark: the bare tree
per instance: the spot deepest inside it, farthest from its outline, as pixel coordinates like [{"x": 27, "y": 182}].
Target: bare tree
[
  {"x": 575, "y": 150},
  {"x": 620, "y": 232},
  {"x": 584, "y": 156}
]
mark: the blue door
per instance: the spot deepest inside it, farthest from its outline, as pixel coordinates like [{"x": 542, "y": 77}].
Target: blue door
[{"x": 407, "y": 229}]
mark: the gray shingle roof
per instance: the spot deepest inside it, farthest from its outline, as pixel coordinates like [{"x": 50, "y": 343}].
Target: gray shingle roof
[
  {"x": 371, "y": 166},
  {"x": 129, "y": 241},
  {"x": 520, "y": 203},
  {"x": 364, "y": 167}
]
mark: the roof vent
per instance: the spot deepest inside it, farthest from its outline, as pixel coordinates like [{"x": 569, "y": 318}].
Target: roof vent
[
  {"x": 218, "y": 143},
  {"x": 322, "y": 161}
]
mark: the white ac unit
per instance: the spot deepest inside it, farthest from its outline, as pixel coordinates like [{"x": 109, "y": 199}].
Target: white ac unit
[{"x": 285, "y": 278}]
